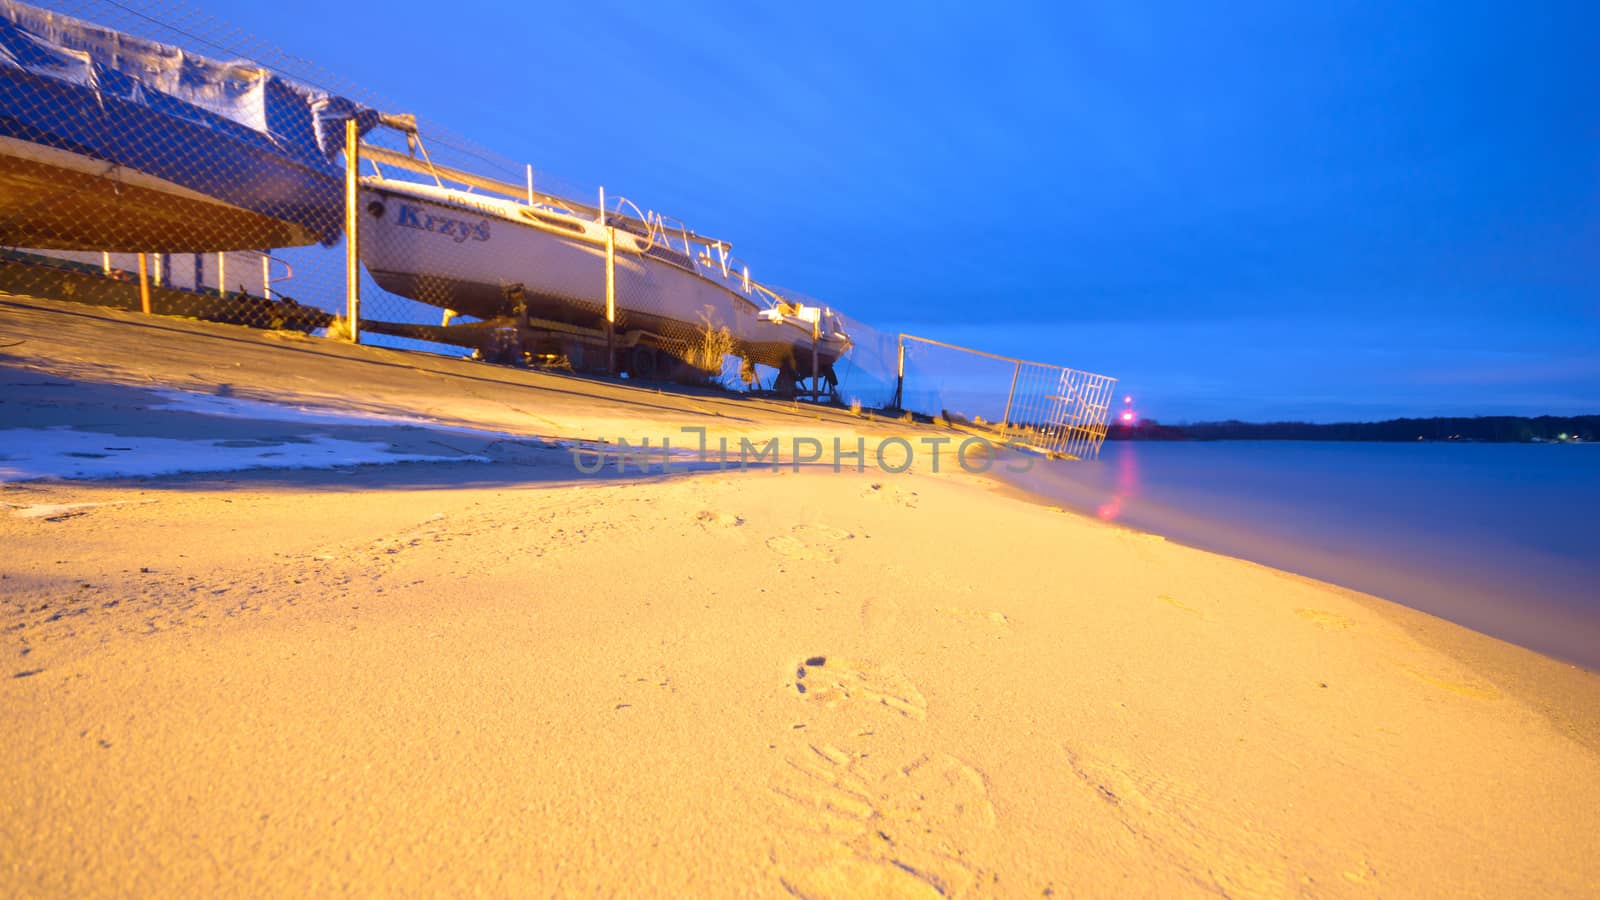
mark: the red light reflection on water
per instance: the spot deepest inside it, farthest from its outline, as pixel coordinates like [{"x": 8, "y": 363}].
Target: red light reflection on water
[{"x": 1127, "y": 485}]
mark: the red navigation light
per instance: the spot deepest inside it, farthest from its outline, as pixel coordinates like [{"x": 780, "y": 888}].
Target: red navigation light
[{"x": 1127, "y": 416}]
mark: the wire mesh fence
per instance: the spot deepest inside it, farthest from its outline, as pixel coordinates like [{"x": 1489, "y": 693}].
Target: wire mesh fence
[
  {"x": 1047, "y": 407},
  {"x": 154, "y": 159},
  {"x": 138, "y": 174},
  {"x": 153, "y": 132}
]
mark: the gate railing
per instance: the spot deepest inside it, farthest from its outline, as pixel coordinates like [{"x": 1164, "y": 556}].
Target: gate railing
[{"x": 1050, "y": 408}]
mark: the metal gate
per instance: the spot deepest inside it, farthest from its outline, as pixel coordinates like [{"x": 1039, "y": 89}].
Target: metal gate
[{"x": 1050, "y": 408}]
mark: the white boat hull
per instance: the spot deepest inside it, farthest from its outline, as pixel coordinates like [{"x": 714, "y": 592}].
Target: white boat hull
[{"x": 464, "y": 252}]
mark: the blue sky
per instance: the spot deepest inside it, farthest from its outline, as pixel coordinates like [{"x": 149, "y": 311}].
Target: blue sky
[{"x": 1262, "y": 210}]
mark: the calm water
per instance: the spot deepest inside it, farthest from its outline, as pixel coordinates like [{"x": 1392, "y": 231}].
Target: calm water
[{"x": 1501, "y": 538}]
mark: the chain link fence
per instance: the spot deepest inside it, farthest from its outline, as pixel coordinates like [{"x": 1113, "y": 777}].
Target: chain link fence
[
  {"x": 1050, "y": 408},
  {"x": 140, "y": 175},
  {"x": 155, "y": 159}
]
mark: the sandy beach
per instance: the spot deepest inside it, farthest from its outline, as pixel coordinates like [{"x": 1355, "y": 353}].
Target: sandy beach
[{"x": 506, "y": 677}]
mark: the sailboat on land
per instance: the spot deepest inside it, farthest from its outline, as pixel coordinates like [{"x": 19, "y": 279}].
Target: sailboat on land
[{"x": 523, "y": 253}]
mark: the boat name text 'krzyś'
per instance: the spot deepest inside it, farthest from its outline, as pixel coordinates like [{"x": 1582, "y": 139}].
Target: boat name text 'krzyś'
[{"x": 460, "y": 229}]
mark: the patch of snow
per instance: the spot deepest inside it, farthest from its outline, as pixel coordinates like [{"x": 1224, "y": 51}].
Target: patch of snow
[
  {"x": 30, "y": 453},
  {"x": 50, "y": 510},
  {"x": 264, "y": 411}
]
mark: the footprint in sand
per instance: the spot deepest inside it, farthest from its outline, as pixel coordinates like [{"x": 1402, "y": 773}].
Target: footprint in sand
[
  {"x": 1189, "y": 830},
  {"x": 1323, "y": 619},
  {"x": 430, "y": 530},
  {"x": 1361, "y": 873},
  {"x": 794, "y": 548},
  {"x": 1479, "y": 691},
  {"x": 810, "y": 542},
  {"x": 1179, "y": 604},
  {"x": 832, "y": 680},
  {"x": 879, "y": 613},
  {"x": 709, "y": 519},
  {"x": 904, "y": 498},
  {"x": 882, "y": 829},
  {"x": 974, "y": 615}
]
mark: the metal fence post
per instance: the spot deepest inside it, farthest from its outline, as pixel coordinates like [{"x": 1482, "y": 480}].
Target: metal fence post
[
  {"x": 611, "y": 288},
  {"x": 352, "y": 260},
  {"x": 816, "y": 336},
  {"x": 1005, "y": 420},
  {"x": 144, "y": 284},
  {"x": 900, "y": 371}
]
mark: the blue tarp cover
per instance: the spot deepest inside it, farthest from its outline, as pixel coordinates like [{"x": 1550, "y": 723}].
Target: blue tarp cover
[{"x": 296, "y": 119}]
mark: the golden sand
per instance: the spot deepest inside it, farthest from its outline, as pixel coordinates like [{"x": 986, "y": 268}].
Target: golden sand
[{"x": 508, "y": 680}]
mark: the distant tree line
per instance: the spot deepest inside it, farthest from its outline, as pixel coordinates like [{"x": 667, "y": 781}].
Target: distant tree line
[{"x": 1496, "y": 429}]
